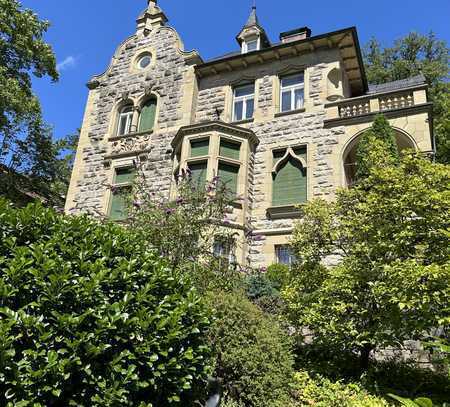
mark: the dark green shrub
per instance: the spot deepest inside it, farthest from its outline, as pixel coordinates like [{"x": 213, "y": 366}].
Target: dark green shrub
[
  {"x": 258, "y": 285},
  {"x": 88, "y": 318},
  {"x": 278, "y": 275},
  {"x": 264, "y": 292},
  {"x": 254, "y": 360}
]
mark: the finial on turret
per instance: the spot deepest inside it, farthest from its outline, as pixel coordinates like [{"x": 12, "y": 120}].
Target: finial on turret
[{"x": 152, "y": 17}]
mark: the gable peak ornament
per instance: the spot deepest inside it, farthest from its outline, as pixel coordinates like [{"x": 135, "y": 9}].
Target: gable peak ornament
[{"x": 151, "y": 18}]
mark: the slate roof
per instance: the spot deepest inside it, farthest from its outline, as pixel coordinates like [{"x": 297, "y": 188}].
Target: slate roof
[
  {"x": 252, "y": 19},
  {"x": 397, "y": 85}
]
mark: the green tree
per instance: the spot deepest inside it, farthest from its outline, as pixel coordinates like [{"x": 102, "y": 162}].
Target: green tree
[
  {"x": 410, "y": 56},
  {"x": 26, "y": 145},
  {"x": 378, "y": 143},
  {"x": 90, "y": 317},
  {"x": 391, "y": 283}
]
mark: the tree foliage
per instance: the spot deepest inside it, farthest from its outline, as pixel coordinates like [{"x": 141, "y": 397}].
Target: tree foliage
[
  {"x": 31, "y": 158},
  {"x": 376, "y": 144},
  {"x": 391, "y": 284},
  {"x": 410, "y": 56},
  {"x": 23, "y": 52},
  {"x": 89, "y": 317}
]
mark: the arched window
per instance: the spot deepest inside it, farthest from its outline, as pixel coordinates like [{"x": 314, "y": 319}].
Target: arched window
[
  {"x": 148, "y": 115},
  {"x": 125, "y": 120},
  {"x": 289, "y": 177}
]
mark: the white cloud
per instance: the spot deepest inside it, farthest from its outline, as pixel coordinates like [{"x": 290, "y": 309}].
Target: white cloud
[{"x": 68, "y": 63}]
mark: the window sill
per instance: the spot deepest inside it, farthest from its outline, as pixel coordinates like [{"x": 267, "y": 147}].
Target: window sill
[
  {"x": 245, "y": 121},
  {"x": 284, "y": 212},
  {"x": 289, "y": 112}
]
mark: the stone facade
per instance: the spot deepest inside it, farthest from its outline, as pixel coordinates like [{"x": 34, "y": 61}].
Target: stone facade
[{"x": 195, "y": 99}]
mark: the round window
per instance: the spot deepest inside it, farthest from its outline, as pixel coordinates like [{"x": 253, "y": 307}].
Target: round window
[{"x": 144, "y": 61}]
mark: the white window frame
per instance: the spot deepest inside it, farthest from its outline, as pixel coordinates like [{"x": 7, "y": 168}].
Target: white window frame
[
  {"x": 292, "y": 89},
  {"x": 128, "y": 116},
  {"x": 291, "y": 255},
  {"x": 226, "y": 252},
  {"x": 244, "y": 99},
  {"x": 245, "y": 45}
]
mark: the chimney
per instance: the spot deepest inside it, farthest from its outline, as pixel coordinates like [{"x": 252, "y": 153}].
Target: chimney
[{"x": 295, "y": 35}]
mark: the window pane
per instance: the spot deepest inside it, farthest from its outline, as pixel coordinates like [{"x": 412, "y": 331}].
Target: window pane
[
  {"x": 289, "y": 185},
  {"x": 286, "y": 101},
  {"x": 250, "y": 108},
  {"x": 228, "y": 174},
  {"x": 122, "y": 125},
  {"x": 230, "y": 149},
  {"x": 119, "y": 205},
  {"x": 148, "y": 113},
  {"x": 284, "y": 255},
  {"x": 292, "y": 80},
  {"x": 244, "y": 90},
  {"x": 252, "y": 45},
  {"x": 298, "y": 94},
  {"x": 238, "y": 110},
  {"x": 198, "y": 174},
  {"x": 199, "y": 148},
  {"x": 124, "y": 175}
]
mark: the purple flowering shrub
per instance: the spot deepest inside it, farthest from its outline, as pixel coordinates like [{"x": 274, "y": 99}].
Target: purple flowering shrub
[{"x": 181, "y": 228}]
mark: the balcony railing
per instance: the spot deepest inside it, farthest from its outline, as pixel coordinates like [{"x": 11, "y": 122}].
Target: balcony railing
[
  {"x": 396, "y": 101},
  {"x": 354, "y": 109},
  {"x": 363, "y": 105}
]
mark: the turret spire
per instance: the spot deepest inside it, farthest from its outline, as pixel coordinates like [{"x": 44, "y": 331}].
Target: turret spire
[{"x": 251, "y": 30}]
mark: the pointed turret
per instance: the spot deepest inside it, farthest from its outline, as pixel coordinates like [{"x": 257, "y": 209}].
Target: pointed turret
[
  {"x": 252, "y": 36},
  {"x": 152, "y": 17}
]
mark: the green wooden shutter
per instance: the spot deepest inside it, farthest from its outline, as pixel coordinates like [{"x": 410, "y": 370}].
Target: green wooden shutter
[
  {"x": 148, "y": 114},
  {"x": 125, "y": 175},
  {"x": 199, "y": 173},
  {"x": 199, "y": 148},
  {"x": 119, "y": 205},
  {"x": 230, "y": 150},
  {"x": 228, "y": 174},
  {"x": 289, "y": 185}
]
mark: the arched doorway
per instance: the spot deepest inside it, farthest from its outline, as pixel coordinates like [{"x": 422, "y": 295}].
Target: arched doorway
[{"x": 404, "y": 141}]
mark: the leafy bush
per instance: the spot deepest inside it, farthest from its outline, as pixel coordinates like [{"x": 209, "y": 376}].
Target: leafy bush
[
  {"x": 254, "y": 361},
  {"x": 89, "y": 318},
  {"x": 321, "y": 392},
  {"x": 278, "y": 274}
]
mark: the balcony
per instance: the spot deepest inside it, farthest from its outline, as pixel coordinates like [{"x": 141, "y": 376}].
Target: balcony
[{"x": 363, "y": 108}]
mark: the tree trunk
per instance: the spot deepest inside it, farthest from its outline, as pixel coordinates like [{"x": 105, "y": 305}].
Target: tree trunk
[{"x": 364, "y": 360}]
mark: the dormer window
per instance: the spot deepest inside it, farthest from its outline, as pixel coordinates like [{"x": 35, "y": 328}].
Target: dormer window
[{"x": 250, "y": 45}]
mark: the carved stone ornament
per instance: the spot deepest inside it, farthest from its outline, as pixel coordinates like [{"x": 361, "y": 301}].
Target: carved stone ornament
[
  {"x": 131, "y": 144},
  {"x": 148, "y": 91},
  {"x": 125, "y": 95}
]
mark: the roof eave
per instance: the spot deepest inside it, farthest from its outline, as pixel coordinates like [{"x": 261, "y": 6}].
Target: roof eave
[{"x": 213, "y": 66}]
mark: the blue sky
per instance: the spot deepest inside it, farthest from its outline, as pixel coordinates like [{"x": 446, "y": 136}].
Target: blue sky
[{"x": 85, "y": 33}]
